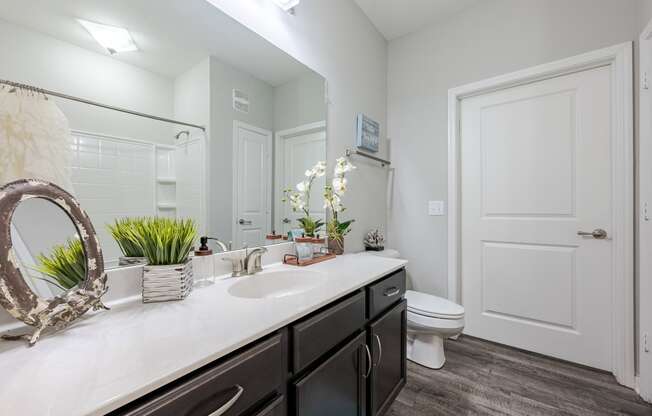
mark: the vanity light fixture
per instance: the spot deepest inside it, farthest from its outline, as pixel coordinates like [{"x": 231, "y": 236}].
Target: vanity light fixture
[
  {"x": 287, "y": 5},
  {"x": 113, "y": 39}
]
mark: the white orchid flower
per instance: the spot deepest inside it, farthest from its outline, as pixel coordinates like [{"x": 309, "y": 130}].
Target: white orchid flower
[
  {"x": 339, "y": 185},
  {"x": 302, "y": 186}
]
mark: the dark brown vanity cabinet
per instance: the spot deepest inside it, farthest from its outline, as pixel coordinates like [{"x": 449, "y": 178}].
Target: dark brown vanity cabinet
[
  {"x": 338, "y": 386},
  {"x": 345, "y": 359},
  {"x": 387, "y": 340}
]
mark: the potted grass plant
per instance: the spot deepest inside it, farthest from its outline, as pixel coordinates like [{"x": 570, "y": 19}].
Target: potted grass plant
[
  {"x": 166, "y": 243},
  {"x": 65, "y": 266},
  {"x": 122, "y": 232}
]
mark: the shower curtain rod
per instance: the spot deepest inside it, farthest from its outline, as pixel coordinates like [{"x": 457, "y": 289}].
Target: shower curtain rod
[{"x": 96, "y": 104}]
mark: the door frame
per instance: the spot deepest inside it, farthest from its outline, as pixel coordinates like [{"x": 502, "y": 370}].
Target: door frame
[
  {"x": 644, "y": 190},
  {"x": 620, "y": 59},
  {"x": 279, "y": 136},
  {"x": 268, "y": 218}
]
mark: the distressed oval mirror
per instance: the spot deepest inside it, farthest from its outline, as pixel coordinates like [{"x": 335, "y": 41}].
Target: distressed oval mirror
[{"x": 51, "y": 266}]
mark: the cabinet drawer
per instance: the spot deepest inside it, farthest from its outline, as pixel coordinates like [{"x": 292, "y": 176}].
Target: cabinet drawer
[
  {"x": 315, "y": 336},
  {"x": 277, "y": 407},
  {"x": 385, "y": 293},
  {"x": 233, "y": 386}
]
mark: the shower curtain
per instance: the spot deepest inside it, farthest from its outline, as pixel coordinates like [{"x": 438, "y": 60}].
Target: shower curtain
[{"x": 34, "y": 138}]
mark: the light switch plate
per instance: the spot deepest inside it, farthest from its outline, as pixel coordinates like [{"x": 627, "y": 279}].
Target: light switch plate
[{"x": 436, "y": 208}]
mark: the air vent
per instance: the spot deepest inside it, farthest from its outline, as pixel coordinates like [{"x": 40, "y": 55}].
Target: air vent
[{"x": 241, "y": 101}]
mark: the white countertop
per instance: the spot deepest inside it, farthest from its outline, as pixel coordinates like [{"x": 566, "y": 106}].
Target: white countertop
[{"x": 110, "y": 358}]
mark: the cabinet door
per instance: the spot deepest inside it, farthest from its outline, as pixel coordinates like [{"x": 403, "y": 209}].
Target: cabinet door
[
  {"x": 338, "y": 386},
  {"x": 387, "y": 340}
]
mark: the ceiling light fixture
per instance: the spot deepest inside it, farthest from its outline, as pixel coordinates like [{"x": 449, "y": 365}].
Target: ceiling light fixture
[
  {"x": 113, "y": 39},
  {"x": 287, "y": 5}
]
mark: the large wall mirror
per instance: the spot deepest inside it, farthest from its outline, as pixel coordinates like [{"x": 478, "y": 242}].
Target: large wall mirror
[{"x": 264, "y": 115}]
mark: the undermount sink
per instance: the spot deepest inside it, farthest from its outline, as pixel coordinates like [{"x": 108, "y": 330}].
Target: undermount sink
[{"x": 277, "y": 284}]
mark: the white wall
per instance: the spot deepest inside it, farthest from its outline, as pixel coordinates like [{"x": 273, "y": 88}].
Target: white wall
[
  {"x": 33, "y": 58},
  {"x": 334, "y": 38},
  {"x": 494, "y": 38}
]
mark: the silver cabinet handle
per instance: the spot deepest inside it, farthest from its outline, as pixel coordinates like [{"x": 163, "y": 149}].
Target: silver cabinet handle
[
  {"x": 392, "y": 291},
  {"x": 228, "y": 405},
  {"x": 369, "y": 361},
  {"x": 244, "y": 222},
  {"x": 598, "y": 234},
  {"x": 380, "y": 350}
]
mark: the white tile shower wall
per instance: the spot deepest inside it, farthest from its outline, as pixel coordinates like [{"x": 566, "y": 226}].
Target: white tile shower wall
[{"x": 112, "y": 178}]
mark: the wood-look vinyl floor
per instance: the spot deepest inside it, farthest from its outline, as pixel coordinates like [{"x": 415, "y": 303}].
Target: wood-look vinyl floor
[{"x": 483, "y": 378}]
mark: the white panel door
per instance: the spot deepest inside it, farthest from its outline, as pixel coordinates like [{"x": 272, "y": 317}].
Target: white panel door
[
  {"x": 535, "y": 170},
  {"x": 298, "y": 154},
  {"x": 252, "y": 176}
]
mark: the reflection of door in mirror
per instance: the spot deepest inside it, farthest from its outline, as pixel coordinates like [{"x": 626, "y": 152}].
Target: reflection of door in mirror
[
  {"x": 41, "y": 233},
  {"x": 252, "y": 186},
  {"x": 298, "y": 150}
]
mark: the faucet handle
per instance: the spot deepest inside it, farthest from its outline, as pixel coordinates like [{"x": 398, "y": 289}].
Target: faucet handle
[{"x": 237, "y": 265}]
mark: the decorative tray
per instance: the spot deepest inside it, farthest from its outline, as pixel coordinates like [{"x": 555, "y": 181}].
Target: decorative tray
[{"x": 292, "y": 260}]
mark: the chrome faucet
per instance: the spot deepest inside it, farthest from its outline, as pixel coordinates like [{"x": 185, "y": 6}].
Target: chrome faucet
[
  {"x": 221, "y": 245},
  {"x": 251, "y": 263},
  {"x": 252, "y": 260}
]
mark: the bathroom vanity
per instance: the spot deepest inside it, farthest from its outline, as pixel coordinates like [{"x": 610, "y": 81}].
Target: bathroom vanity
[
  {"x": 347, "y": 358},
  {"x": 334, "y": 347}
]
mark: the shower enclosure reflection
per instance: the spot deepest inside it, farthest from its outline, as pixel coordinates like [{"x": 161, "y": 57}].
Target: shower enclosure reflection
[{"x": 262, "y": 112}]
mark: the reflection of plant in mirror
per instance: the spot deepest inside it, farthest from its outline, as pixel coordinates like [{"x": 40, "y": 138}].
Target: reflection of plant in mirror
[
  {"x": 333, "y": 200},
  {"x": 300, "y": 199},
  {"x": 123, "y": 233},
  {"x": 66, "y": 265},
  {"x": 165, "y": 241}
]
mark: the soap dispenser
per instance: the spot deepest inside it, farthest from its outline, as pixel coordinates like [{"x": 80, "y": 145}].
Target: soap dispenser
[{"x": 203, "y": 265}]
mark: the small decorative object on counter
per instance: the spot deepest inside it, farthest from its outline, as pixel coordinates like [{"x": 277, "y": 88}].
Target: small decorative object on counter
[
  {"x": 122, "y": 232},
  {"x": 167, "y": 244},
  {"x": 333, "y": 200},
  {"x": 303, "y": 248},
  {"x": 319, "y": 245},
  {"x": 374, "y": 241},
  {"x": 300, "y": 200},
  {"x": 77, "y": 267},
  {"x": 202, "y": 264}
]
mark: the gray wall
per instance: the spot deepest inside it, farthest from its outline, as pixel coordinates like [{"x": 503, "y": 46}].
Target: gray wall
[
  {"x": 223, "y": 79},
  {"x": 494, "y": 38},
  {"x": 299, "y": 102}
]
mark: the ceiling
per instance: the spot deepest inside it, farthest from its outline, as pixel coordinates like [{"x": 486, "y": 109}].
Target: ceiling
[
  {"x": 396, "y": 18},
  {"x": 172, "y": 35}
]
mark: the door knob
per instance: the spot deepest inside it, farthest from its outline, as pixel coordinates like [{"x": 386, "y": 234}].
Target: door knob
[
  {"x": 244, "y": 222},
  {"x": 286, "y": 220},
  {"x": 598, "y": 233}
]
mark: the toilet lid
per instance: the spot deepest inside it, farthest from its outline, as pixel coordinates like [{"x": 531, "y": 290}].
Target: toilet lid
[{"x": 433, "y": 306}]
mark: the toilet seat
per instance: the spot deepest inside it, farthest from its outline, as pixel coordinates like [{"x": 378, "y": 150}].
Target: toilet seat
[{"x": 431, "y": 306}]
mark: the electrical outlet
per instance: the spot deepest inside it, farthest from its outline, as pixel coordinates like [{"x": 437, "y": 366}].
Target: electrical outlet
[{"x": 436, "y": 208}]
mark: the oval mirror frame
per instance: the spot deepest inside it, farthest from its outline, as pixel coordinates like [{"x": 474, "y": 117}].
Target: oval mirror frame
[{"x": 15, "y": 294}]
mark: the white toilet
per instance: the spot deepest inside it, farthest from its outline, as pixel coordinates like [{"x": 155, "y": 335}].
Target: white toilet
[{"x": 431, "y": 319}]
